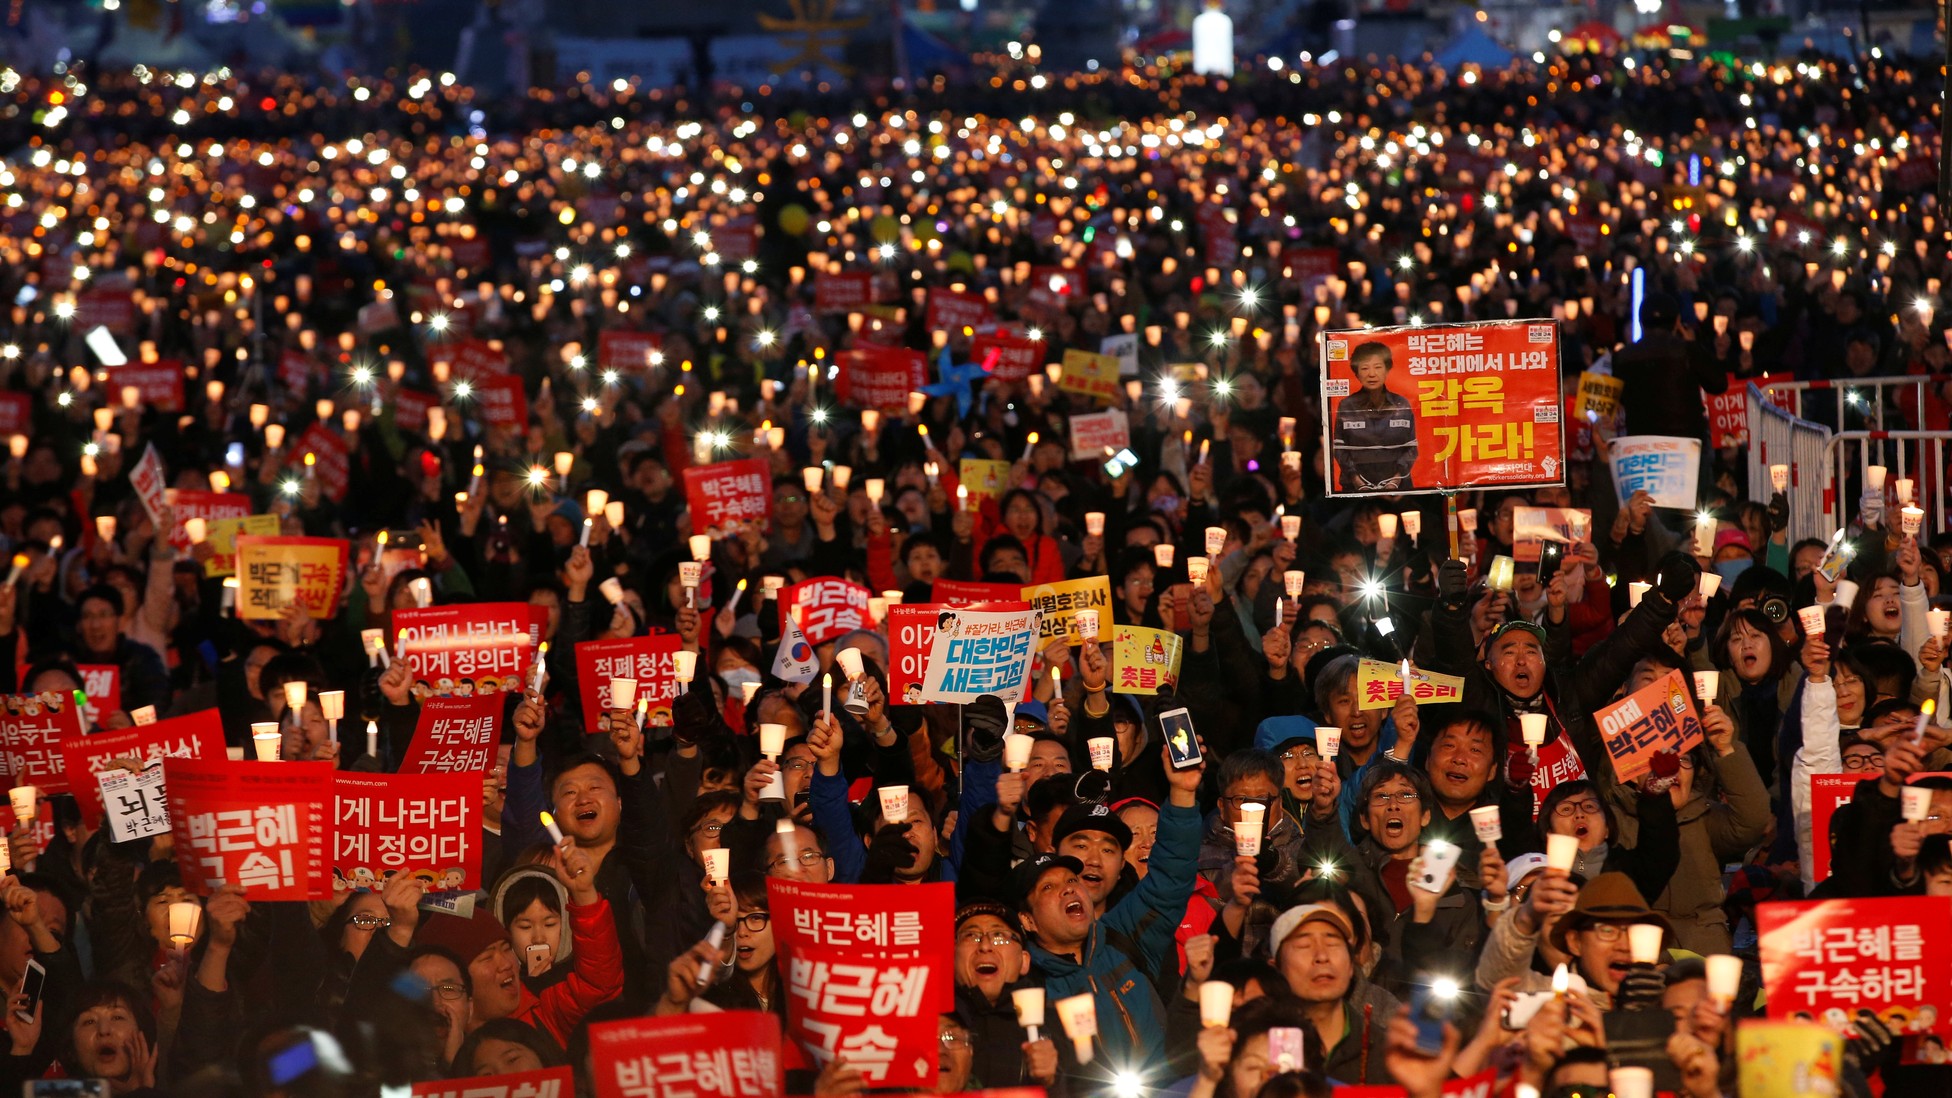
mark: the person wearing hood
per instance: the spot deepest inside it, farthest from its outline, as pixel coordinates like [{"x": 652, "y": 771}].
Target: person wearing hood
[
  {"x": 991, "y": 964},
  {"x": 1511, "y": 676},
  {"x": 532, "y": 904},
  {"x": 1077, "y": 951}
]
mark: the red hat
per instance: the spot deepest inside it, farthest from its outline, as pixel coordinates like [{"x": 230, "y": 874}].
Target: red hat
[
  {"x": 465, "y": 938},
  {"x": 1731, "y": 534}
]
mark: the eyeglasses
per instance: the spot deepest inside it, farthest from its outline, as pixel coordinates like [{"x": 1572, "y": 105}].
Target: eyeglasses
[
  {"x": 796, "y": 766},
  {"x": 1568, "y": 809},
  {"x": 447, "y": 992},
  {"x": 1241, "y": 802},
  {"x": 1687, "y": 761},
  {"x": 1607, "y": 932},
  {"x": 756, "y": 921},
  {"x": 1863, "y": 762},
  {"x": 1383, "y": 800},
  {"x": 952, "y": 1040},
  {"x": 711, "y": 829},
  {"x": 1306, "y": 754},
  {"x": 370, "y": 922},
  {"x": 996, "y": 938},
  {"x": 808, "y": 858}
]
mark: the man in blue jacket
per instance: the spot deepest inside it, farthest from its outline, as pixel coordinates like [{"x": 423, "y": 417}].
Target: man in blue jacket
[{"x": 1078, "y": 951}]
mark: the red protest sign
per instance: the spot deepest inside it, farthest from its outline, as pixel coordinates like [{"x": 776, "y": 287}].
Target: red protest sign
[
  {"x": 1658, "y": 717},
  {"x": 620, "y": 350},
  {"x": 261, "y": 826},
  {"x": 842, "y": 291},
  {"x": 1826, "y": 959},
  {"x": 455, "y": 736},
  {"x": 1482, "y": 1085},
  {"x": 651, "y": 661},
  {"x": 1423, "y": 409},
  {"x": 879, "y": 377},
  {"x": 972, "y": 594},
  {"x": 1051, "y": 287},
  {"x": 410, "y": 408},
  {"x": 730, "y": 491},
  {"x": 160, "y": 383},
  {"x": 867, "y": 970},
  {"x": 1828, "y": 792},
  {"x": 208, "y": 506},
  {"x": 101, "y": 684},
  {"x": 953, "y": 312},
  {"x": 556, "y": 1082},
  {"x": 295, "y": 370},
  {"x": 1016, "y": 356},
  {"x": 474, "y": 359},
  {"x": 825, "y": 607},
  {"x": 1307, "y": 264},
  {"x": 502, "y": 400},
  {"x": 1728, "y": 412},
  {"x": 475, "y": 648},
  {"x": 113, "y": 309},
  {"x": 32, "y": 727},
  {"x": 198, "y": 735},
  {"x": 150, "y": 482},
  {"x": 427, "y": 826},
  {"x": 332, "y": 461},
  {"x": 729, "y": 1054},
  {"x": 16, "y": 414}
]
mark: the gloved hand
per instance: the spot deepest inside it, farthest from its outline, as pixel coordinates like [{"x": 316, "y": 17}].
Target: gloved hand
[
  {"x": 1452, "y": 584},
  {"x": 1640, "y": 989},
  {"x": 1679, "y": 574},
  {"x": 1778, "y": 513},
  {"x": 1867, "y": 1041},
  {"x": 889, "y": 851}
]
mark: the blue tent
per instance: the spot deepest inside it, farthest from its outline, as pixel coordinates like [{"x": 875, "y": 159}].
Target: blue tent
[{"x": 1473, "y": 47}]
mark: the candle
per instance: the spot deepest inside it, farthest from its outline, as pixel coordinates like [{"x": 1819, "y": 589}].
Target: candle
[
  {"x": 584, "y": 538},
  {"x": 549, "y": 825},
  {"x": 1724, "y": 979},
  {"x": 827, "y": 695},
  {"x": 536, "y": 671},
  {"x": 1924, "y": 718},
  {"x": 1216, "y": 1004},
  {"x": 1079, "y": 1017},
  {"x": 894, "y": 803},
  {"x": 1386, "y": 527},
  {"x": 1874, "y": 478},
  {"x": 876, "y": 488},
  {"x": 1016, "y": 751},
  {"x": 1029, "y": 1003},
  {"x": 265, "y": 740},
  {"x": 594, "y": 501},
  {"x": 1904, "y": 486},
  {"x": 1644, "y": 941},
  {"x": 1532, "y": 728},
  {"x": 1216, "y": 540},
  {"x": 26, "y": 801},
  {"x": 184, "y": 916},
  {"x": 1779, "y": 477},
  {"x": 684, "y": 666},
  {"x": 295, "y": 692},
  {"x": 1196, "y": 569},
  {"x": 332, "y": 703},
  {"x": 1561, "y": 980},
  {"x": 1094, "y": 523},
  {"x": 1500, "y": 576},
  {"x": 1030, "y": 446},
  {"x": 1162, "y": 554},
  {"x": 1636, "y": 591},
  {"x": 373, "y": 739},
  {"x": 1561, "y": 851},
  {"x": 1328, "y": 740}
]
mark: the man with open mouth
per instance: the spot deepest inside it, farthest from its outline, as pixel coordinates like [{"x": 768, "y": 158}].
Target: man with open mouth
[
  {"x": 1078, "y": 951},
  {"x": 990, "y": 964}
]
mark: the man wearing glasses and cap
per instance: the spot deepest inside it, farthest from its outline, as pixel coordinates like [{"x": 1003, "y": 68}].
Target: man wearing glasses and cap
[
  {"x": 990, "y": 964},
  {"x": 1524, "y": 669},
  {"x": 1077, "y": 951}
]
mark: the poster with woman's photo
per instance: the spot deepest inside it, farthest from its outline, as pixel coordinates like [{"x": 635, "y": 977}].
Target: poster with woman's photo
[{"x": 1430, "y": 408}]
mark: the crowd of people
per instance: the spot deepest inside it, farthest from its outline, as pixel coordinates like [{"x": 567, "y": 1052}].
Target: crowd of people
[{"x": 331, "y": 259}]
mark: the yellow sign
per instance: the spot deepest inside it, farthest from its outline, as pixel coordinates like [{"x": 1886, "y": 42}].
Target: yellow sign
[
  {"x": 1379, "y": 685},
  {"x": 984, "y": 479},
  {"x": 1788, "y": 1060},
  {"x": 273, "y": 573},
  {"x": 1143, "y": 660},
  {"x": 1598, "y": 394},
  {"x": 222, "y": 537},
  {"x": 1061, "y": 602},
  {"x": 1087, "y": 374}
]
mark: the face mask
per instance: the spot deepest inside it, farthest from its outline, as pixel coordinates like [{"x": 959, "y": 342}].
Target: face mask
[
  {"x": 735, "y": 678},
  {"x": 1729, "y": 569}
]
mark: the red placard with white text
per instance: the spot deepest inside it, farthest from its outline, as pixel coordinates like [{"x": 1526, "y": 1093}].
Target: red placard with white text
[
  {"x": 332, "y": 460},
  {"x": 32, "y": 727},
  {"x": 198, "y": 735},
  {"x": 826, "y": 607},
  {"x": 474, "y": 648},
  {"x": 728, "y": 1054},
  {"x": 455, "y": 735},
  {"x": 208, "y": 506},
  {"x": 1825, "y": 960},
  {"x": 728, "y": 492},
  {"x": 1006, "y": 354},
  {"x": 160, "y": 383},
  {"x": 972, "y": 594},
  {"x": 265, "y": 827},
  {"x": 842, "y": 291},
  {"x": 101, "y": 683},
  {"x": 867, "y": 970},
  {"x": 649, "y": 660},
  {"x": 503, "y": 401},
  {"x": 879, "y": 377},
  {"x": 556, "y": 1082},
  {"x": 424, "y": 825},
  {"x": 1457, "y": 405},
  {"x": 1828, "y": 792},
  {"x": 1482, "y": 1085},
  {"x": 16, "y": 414},
  {"x": 952, "y": 312},
  {"x": 617, "y": 349},
  {"x": 150, "y": 481}
]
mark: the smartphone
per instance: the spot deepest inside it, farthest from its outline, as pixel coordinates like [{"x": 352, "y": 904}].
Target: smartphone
[
  {"x": 291, "y": 1064},
  {"x": 64, "y": 1088},
  {"x": 1284, "y": 1049},
  {"x": 1431, "y": 1005},
  {"x": 234, "y": 455},
  {"x": 1551, "y": 555},
  {"x": 32, "y": 983},
  {"x": 1182, "y": 746},
  {"x": 1525, "y": 1007}
]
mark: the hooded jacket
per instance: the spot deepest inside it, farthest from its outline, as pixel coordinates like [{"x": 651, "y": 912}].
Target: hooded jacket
[{"x": 1126, "y": 942}]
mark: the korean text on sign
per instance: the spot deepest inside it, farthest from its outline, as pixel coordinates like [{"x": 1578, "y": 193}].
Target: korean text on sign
[
  {"x": 556, "y": 1082},
  {"x": 1379, "y": 684},
  {"x": 650, "y": 661},
  {"x": 728, "y": 492},
  {"x": 262, "y": 826},
  {"x": 1143, "y": 660},
  {"x": 423, "y": 825},
  {"x": 273, "y": 573},
  {"x": 1060, "y": 603},
  {"x": 198, "y": 735},
  {"x": 1827, "y": 959},
  {"x": 477, "y": 648},
  {"x": 975, "y": 653},
  {"x": 32, "y": 727},
  {"x": 454, "y": 736},
  {"x": 1658, "y": 717},
  {"x": 825, "y": 607},
  {"x": 730, "y": 1054}
]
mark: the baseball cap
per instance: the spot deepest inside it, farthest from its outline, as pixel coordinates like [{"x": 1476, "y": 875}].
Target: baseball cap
[
  {"x": 1091, "y": 816},
  {"x": 1031, "y": 870},
  {"x": 1294, "y": 918},
  {"x": 1522, "y": 867}
]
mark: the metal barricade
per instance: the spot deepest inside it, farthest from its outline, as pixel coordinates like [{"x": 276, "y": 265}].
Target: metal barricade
[{"x": 1828, "y": 466}]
